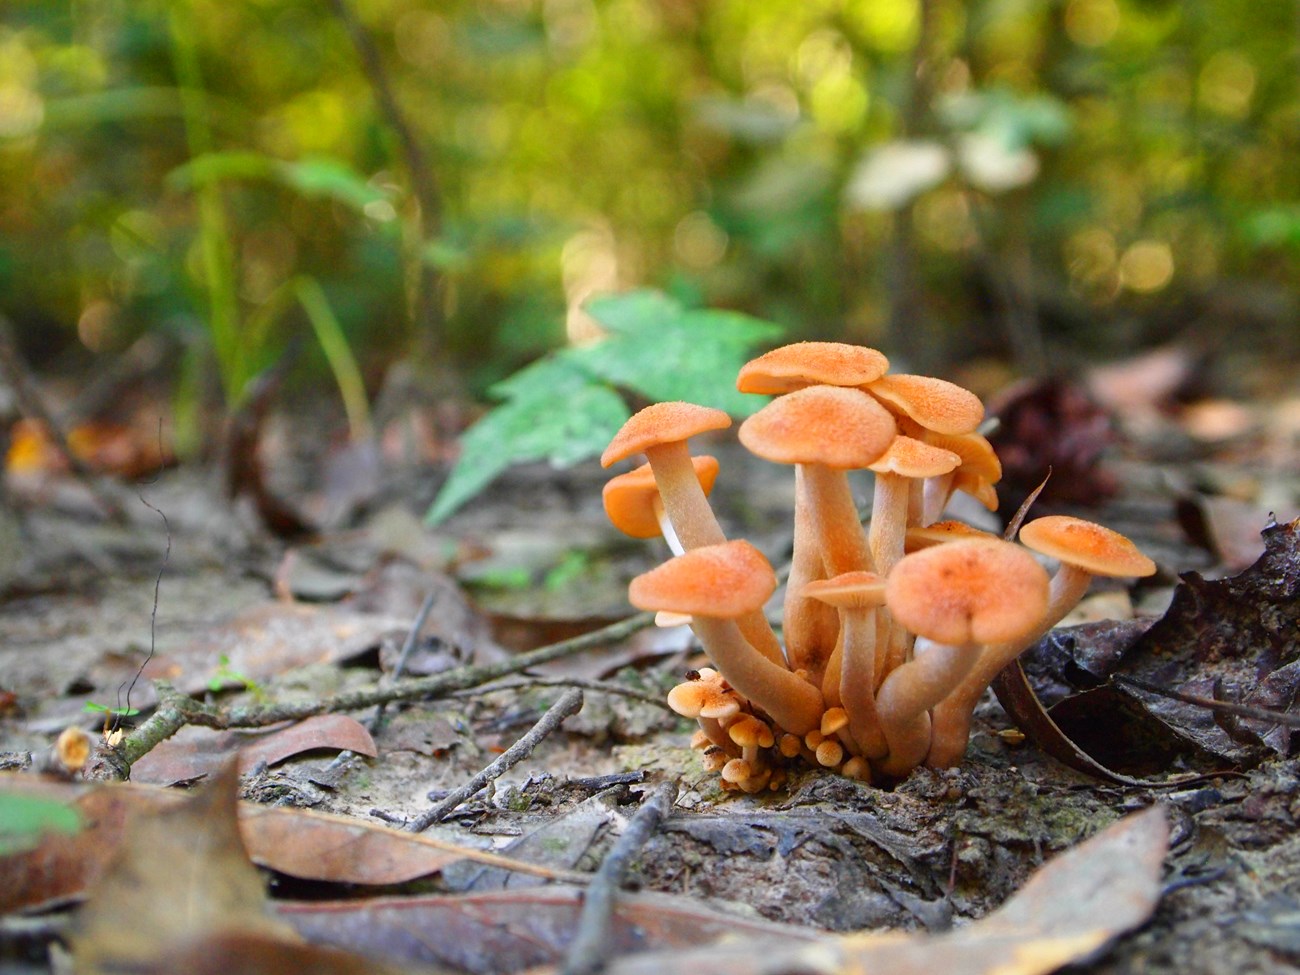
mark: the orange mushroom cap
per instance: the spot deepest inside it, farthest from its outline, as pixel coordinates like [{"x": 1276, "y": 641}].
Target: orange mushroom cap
[
  {"x": 969, "y": 591},
  {"x": 941, "y": 532},
  {"x": 748, "y": 731},
  {"x": 908, "y": 457},
  {"x": 629, "y": 498},
  {"x": 977, "y": 454},
  {"x": 703, "y": 699},
  {"x": 662, "y": 423},
  {"x": 803, "y": 364},
  {"x": 848, "y": 590},
  {"x": 936, "y": 404},
  {"x": 832, "y": 425},
  {"x": 1093, "y": 548},
  {"x": 721, "y": 581},
  {"x": 978, "y": 488}
]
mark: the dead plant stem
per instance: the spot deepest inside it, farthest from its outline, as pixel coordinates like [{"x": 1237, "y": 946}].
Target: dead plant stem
[
  {"x": 175, "y": 709},
  {"x": 591, "y": 947},
  {"x": 570, "y": 702}
]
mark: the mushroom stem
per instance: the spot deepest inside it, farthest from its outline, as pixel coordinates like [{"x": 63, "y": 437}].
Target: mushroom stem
[
  {"x": 858, "y": 680},
  {"x": 666, "y": 528},
  {"x": 810, "y": 626},
  {"x": 695, "y": 526},
  {"x": 836, "y": 526},
  {"x": 907, "y": 695},
  {"x": 936, "y": 493},
  {"x": 953, "y": 716},
  {"x": 790, "y": 701},
  {"x": 831, "y": 679},
  {"x": 683, "y": 497},
  {"x": 712, "y": 727},
  {"x": 888, "y": 520}
]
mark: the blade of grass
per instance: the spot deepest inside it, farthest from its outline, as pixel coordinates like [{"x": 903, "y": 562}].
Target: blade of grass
[
  {"x": 342, "y": 363},
  {"x": 214, "y": 233}
]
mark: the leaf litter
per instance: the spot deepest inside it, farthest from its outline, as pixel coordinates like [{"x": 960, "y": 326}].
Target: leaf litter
[{"x": 941, "y": 848}]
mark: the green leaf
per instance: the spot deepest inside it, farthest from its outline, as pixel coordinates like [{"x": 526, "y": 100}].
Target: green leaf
[
  {"x": 1277, "y": 226},
  {"x": 330, "y": 179},
  {"x": 554, "y": 411},
  {"x": 564, "y": 408},
  {"x": 23, "y": 819},
  {"x": 90, "y": 707},
  {"x": 317, "y": 177},
  {"x": 667, "y": 352}
]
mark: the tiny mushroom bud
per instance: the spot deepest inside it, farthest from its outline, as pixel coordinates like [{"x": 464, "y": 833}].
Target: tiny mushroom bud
[
  {"x": 858, "y": 768},
  {"x": 72, "y": 750},
  {"x": 830, "y": 753},
  {"x": 715, "y": 584},
  {"x": 1084, "y": 549},
  {"x": 751, "y": 734},
  {"x": 958, "y": 596}
]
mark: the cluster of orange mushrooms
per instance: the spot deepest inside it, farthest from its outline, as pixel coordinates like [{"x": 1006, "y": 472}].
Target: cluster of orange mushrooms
[{"x": 892, "y": 632}]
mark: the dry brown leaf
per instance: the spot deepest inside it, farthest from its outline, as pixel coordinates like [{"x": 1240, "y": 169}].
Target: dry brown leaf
[
  {"x": 194, "y": 752},
  {"x": 298, "y": 842},
  {"x": 1067, "y": 911},
  {"x": 275, "y": 637},
  {"x": 60, "y": 868},
  {"x": 178, "y": 875},
  {"x": 317, "y": 846},
  {"x": 506, "y": 931}
]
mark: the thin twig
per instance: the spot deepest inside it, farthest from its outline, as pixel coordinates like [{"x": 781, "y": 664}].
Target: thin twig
[
  {"x": 596, "y": 686},
  {"x": 1227, "y": 707},
  {"x": 412, "y": 636},
  {"x": 591, "y": 947},
  {"x": 175, "y": 710},
  {"x": 569, "y": 703}
]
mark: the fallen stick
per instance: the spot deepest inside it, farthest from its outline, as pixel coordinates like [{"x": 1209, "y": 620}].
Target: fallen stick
[
  {"x": 591, "y": 948},
  {"x": 569, "y": 703},
  {"x": 175, "y": 709}
]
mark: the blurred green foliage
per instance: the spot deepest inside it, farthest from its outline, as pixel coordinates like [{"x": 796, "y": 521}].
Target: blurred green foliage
[
  {"x": 25, "y": 819},
  {"x": 565, "y": 407},
  {"x": 174, "y": 164}
]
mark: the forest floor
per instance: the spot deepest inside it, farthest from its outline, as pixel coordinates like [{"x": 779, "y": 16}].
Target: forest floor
[{"x": 243, "y": 618}]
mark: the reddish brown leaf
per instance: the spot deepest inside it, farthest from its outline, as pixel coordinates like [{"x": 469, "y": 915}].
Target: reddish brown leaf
[
  {"x": 507, "y": 931},
  {"x": 179, "y": 874},
  {"x": 316, "y": 846},
  {"x": 311, "y": 845},
  {"x": 194, "y": 752},
  {"x": 1066, "y": 912}
]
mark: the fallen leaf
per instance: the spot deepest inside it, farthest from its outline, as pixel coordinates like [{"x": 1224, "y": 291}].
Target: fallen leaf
[
  {"x": 1066, "y": 912},
  {"x": 194, "y": 752},
  {"x": 275, "y": 637},
  {"x": 296, "y": 842},
  {"x": 1051, "y": 425},
  {"x": 178, "y": 874},
  {"x": 506, "y": 931}
]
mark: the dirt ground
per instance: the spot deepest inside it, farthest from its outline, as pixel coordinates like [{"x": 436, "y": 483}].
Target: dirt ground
[{"x": 534, "y": 561}]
